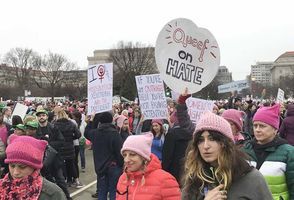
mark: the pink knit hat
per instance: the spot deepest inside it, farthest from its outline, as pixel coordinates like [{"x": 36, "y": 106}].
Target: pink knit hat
[
  {"x": 158, "y": 121},
  {"x": 120, "y": 120},
  {"x": 268, "y": 115},
  {"x": 140, "y": 144},
  {"x": 26, "y": 150},
  {"x": 234, "y": 116},
  {"x": 212, "y": 122}
]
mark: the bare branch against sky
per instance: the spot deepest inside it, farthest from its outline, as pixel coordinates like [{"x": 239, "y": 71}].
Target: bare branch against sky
[{"x": 246, "y": 31}]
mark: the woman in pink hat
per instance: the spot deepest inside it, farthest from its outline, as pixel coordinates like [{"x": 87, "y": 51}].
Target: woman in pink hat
[
  {"x": 216, "y": 169},
  {"x": 25, "y": 159},
  {"x": 270, "y": 154},
  {"x": 235, "y": 119},
  {"x": 143, "y": 178}
]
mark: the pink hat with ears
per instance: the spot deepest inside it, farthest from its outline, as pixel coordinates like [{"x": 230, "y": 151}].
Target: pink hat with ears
[
  {"x": 268, "y": 115},
  {"x": 140, "y": 144},
  {"x": 234, "y": 116},
  {"x": 26, "y": 150}
]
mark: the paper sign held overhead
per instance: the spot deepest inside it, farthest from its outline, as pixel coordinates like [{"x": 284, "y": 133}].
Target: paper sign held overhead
[
  {"x": 151, "y": 96},
  {"x": 280, "y": 95},
  {"x": 196, "y": 107},
  {"x": 100, "y": 82},
  {"x": 20, "y": 110},
  {"x": 186, "y": 55}
]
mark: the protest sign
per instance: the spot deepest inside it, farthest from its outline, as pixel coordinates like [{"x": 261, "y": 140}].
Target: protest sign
[
  {"x": 280, "y": 96},
  {"x": 196, "y": 107},
  {"x": 233, "y": 86},
  {"x": 115, "y": 100},
  {"x": 20, "y": 110},
  {"x": 186, "y": 55},
  {"x": 151, "y": 96},
  {"x": 100, "y": 81}
]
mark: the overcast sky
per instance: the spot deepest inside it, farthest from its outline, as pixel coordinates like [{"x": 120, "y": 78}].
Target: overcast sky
[{"x": 246, "y": 31}]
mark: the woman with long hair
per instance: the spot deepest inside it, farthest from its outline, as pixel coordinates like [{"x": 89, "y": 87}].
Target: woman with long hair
[
  {"x": 158, "y": 140},
  {"x": 143, "y": 177},
  {"x": 216, "y": 169},
  {"x": 70, "y": 132}
]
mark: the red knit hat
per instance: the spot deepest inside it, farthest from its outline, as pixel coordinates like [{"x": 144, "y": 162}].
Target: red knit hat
[
  {"x": 268, "y": 115},
  {"x": 212, "y": 122},
  {"x": 140, "y": 144},
  {"x": 234, "y": 116},
  {"x": 26, "y": 150}
]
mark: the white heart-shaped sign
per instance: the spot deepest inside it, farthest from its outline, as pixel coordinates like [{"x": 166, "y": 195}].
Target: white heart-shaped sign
[{"x": 186, "y": 55}]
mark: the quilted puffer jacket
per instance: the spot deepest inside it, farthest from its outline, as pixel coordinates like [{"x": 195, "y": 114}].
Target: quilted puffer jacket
[{"x": 156, "y": 185}]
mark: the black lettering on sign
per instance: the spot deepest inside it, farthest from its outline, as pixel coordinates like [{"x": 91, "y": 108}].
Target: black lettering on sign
[{"x": 185, "y": 72}]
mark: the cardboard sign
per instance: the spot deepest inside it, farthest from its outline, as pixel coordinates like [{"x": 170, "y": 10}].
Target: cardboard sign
[
  {"x": 20, "y": 110},
  {"x": 186, "y": 55},
  {"x": 151, "y": 96},
  {"x": 196, "y": 107},
  {"x": 100, "y": 82},
  {"x": 233, "y": 86},
  {"x": 280, "y": 96}
]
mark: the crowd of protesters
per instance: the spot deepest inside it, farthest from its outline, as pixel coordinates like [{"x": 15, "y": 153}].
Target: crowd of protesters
[{"x": 243, "y": 149}]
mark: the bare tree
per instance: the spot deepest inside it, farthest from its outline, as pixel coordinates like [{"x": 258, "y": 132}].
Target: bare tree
[
  {"x": 130, "y": 60},
  {"x": 21, "y": 61},
  {"x": 49, "y": 71}
]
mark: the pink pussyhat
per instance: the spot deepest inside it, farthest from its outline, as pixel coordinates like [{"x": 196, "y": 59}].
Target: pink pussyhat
[
  {"x": 26, "y": 150},
  {"x": 268, "y": 115}
]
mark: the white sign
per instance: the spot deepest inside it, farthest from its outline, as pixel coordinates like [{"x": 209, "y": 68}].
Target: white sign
[
  {"x": 115, "y": 100},
  {"x": 280, "y": 96},
  {"x": 151, "y": 96},
  {"x": 233, "y": 86},
  {"x": 186, "y": 55},
  {"x": 20, "y": 110},
  {"x": 100, "y": 82},
  {"x": 196, "y": 107}
]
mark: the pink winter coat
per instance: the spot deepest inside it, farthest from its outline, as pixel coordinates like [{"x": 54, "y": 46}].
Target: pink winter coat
[{"x": 159, "y": 184}]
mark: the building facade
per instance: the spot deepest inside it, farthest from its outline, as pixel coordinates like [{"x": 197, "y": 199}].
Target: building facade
[
  {"x": 261, "y": 72},
  {"x": 283, "y": 66},
  {"x": 223, "y": 75}
]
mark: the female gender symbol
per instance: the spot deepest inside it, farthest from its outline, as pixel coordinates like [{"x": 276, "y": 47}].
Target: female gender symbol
[{"x": 101, "y": 72}]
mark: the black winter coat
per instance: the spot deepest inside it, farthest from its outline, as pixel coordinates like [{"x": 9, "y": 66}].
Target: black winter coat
[
  {"x": 70, "y": 132},
  {"x": 174, "y": 149}
]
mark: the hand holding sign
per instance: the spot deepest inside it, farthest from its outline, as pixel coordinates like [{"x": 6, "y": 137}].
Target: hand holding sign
[{"x": 186, "y": 56}]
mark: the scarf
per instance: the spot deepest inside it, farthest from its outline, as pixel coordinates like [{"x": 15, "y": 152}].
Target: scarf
[
  {"x": 26, "y": 188},
  {"x": 261, "y": 150}
]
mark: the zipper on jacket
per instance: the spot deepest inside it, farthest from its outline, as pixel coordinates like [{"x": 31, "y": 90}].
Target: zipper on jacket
[{"x": 135, "y": 190}]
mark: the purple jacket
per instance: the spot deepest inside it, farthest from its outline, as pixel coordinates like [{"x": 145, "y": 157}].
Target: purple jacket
[{"x": 287, "y": 128}]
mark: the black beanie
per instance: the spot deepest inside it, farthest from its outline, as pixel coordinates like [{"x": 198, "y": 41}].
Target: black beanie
[{"x": 105, "y": 117}]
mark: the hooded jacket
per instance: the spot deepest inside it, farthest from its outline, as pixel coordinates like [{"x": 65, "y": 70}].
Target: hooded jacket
[{"x": 157, "y": 184}]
